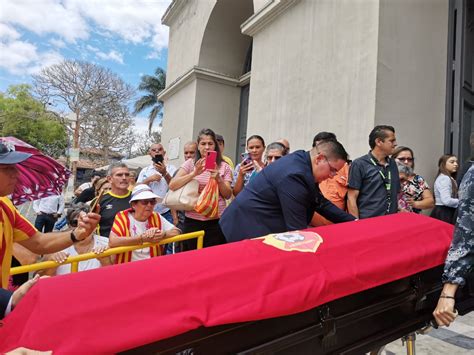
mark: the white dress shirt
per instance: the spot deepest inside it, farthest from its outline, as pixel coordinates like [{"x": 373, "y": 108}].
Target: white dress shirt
[
  {"x": 443, "y": 190},
  {"x": 160, "y": 188},
  {"x": 49, "y": 205}
]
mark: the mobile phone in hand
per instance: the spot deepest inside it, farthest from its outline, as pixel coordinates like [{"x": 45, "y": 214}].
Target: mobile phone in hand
[
  {"x": 157, "y": 159},
  {"x": 211, "y": 160},
  {"x": 96, "y": 204},
  {"x": 246, "y": 158}
]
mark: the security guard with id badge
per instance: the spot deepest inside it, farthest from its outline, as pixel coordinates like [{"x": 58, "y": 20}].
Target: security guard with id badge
[{"x": 374, "y": 183}]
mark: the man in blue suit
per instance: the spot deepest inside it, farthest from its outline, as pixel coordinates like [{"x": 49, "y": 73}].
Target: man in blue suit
[
  {"x": 285, "y": 194},
  {"x": 9, "y": 299}
]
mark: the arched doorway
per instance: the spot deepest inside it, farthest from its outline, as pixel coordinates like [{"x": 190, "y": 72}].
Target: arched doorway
[{"x": 228, "y": 53}]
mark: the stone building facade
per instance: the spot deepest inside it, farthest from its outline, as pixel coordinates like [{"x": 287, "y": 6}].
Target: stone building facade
[{"x": 292, "y": 68}]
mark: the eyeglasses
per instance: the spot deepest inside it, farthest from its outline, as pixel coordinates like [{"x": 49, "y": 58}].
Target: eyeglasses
[
  {"x": 332, "y": 169},
  {"x": 73, "y": 223},
  {"x": 147, "y": 202}
]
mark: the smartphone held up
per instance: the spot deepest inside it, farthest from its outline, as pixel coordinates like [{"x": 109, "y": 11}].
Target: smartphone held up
[
  {"x": 211, "y": 158},
  {"x": 246, "y": 158},
  {"x": 157, "y": 159}
]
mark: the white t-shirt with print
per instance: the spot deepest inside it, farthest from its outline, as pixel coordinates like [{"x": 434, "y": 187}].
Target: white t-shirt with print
[
  {"x": 86, "y": 264},
  {"x": 137, "y": 228}
]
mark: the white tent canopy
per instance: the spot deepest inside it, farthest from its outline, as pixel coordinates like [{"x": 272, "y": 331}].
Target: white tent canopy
[{"x": 134, "y": 163}]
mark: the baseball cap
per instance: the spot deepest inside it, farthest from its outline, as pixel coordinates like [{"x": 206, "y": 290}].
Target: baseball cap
[{"x": 9, "y": 156}]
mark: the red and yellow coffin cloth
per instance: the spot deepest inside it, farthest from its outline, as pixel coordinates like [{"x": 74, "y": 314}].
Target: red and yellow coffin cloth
[{"x": 125, "y": 306}]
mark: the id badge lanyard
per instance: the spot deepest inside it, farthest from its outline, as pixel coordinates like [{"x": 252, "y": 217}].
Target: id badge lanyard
[{"x": 387, "y": 180}]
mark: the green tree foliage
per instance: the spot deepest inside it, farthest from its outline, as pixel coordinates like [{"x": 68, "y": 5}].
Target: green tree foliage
[
  {"x": 26, "y": 118},
  {"x": 152, "y": 85}
]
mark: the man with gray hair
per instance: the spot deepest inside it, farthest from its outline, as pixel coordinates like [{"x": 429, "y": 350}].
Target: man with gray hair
[{"x": 115, "y": 200}]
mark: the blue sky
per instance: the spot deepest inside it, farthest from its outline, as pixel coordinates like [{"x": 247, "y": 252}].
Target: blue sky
[{"x": 123, "y": 35}]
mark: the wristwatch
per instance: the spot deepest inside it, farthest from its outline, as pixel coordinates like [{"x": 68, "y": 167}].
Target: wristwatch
[{"x": 73, "y": 237}]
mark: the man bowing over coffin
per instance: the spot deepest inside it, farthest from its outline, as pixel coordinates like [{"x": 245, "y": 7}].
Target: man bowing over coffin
[{"x": 285, "y": 194}]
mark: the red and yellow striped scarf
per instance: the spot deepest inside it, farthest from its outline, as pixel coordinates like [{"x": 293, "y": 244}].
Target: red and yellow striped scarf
[{"x": 121, "y": 228}]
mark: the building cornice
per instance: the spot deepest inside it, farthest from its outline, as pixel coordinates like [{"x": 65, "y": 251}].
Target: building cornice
[
  {"x": 265, "y": 16},
  {"x": 245, "y": 79},
  {"x": 204, "y": 74},
  {"x": 171, "y": 12}
]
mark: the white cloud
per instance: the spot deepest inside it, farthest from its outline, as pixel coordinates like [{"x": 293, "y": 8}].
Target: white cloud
[
  {"x": 141, "y": 125},
  {"x": 45, "y": 59},
  {"x": 93, "y": 49},
  {"x": 8, "y": 33},
  {"x": 112, "y": 55},
  {"x": 21, "y": 58},
  {"x": 16, "y": 54},
  {"x": 153, "y": 55},
  {"x": 160, "y": 37},
  {"x": 45, "y": 16},
  {"x": 70, "y": 21},
  {"x": 136, "y": 21},
  {"x": 57, "y": 43}
]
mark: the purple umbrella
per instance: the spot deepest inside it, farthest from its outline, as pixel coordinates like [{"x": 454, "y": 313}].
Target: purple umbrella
[{"x": 40, "y": 175}]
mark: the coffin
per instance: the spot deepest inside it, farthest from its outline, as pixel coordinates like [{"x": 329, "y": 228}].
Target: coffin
[{"x": 347, "y": 289}]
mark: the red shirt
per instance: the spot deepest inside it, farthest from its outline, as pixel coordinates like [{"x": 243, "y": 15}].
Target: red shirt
[{"x": 13, "y": 228}]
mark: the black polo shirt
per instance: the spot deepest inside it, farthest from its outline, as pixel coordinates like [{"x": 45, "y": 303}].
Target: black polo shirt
[
  {"x": 110, "y": 205},
  {"x": 371, "y": 181}
]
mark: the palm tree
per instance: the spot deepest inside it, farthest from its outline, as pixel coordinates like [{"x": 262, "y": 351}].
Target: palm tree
[{"x": 153, "y": 85}]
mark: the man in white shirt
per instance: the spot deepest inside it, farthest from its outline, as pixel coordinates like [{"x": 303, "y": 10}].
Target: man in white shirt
[
  {"x": 157, "y": 176},
  {"x": 48, "y": 210}
]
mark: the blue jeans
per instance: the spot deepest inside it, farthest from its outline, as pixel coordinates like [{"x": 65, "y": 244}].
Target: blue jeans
[
  {"x": 171, "y": 248},
  {"x": 45, "y": 223}
]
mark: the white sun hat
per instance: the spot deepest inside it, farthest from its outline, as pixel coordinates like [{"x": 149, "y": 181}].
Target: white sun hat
[{"x": 143, "y": 192}]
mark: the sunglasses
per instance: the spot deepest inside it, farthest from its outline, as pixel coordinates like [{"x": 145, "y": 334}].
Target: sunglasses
[
  {"x": 147, "y": 202},
  {"x": 73, "y": 223},
  {"x": 406, "y": 159}
]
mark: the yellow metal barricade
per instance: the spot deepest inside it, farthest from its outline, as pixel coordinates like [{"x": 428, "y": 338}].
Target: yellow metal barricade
[{"x": 74, "y": 260}]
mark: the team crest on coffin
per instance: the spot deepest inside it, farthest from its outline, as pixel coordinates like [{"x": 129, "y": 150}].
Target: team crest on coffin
[{"x": 296, "y": 240}]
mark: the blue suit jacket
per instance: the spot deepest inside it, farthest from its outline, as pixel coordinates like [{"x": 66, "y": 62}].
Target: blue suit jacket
[
  {"x": 4, "y": 299},
  {"x": 282, "y": 197}
]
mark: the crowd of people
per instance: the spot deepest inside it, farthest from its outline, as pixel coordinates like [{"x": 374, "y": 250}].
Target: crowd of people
[{"x": 269, "y": 190}]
